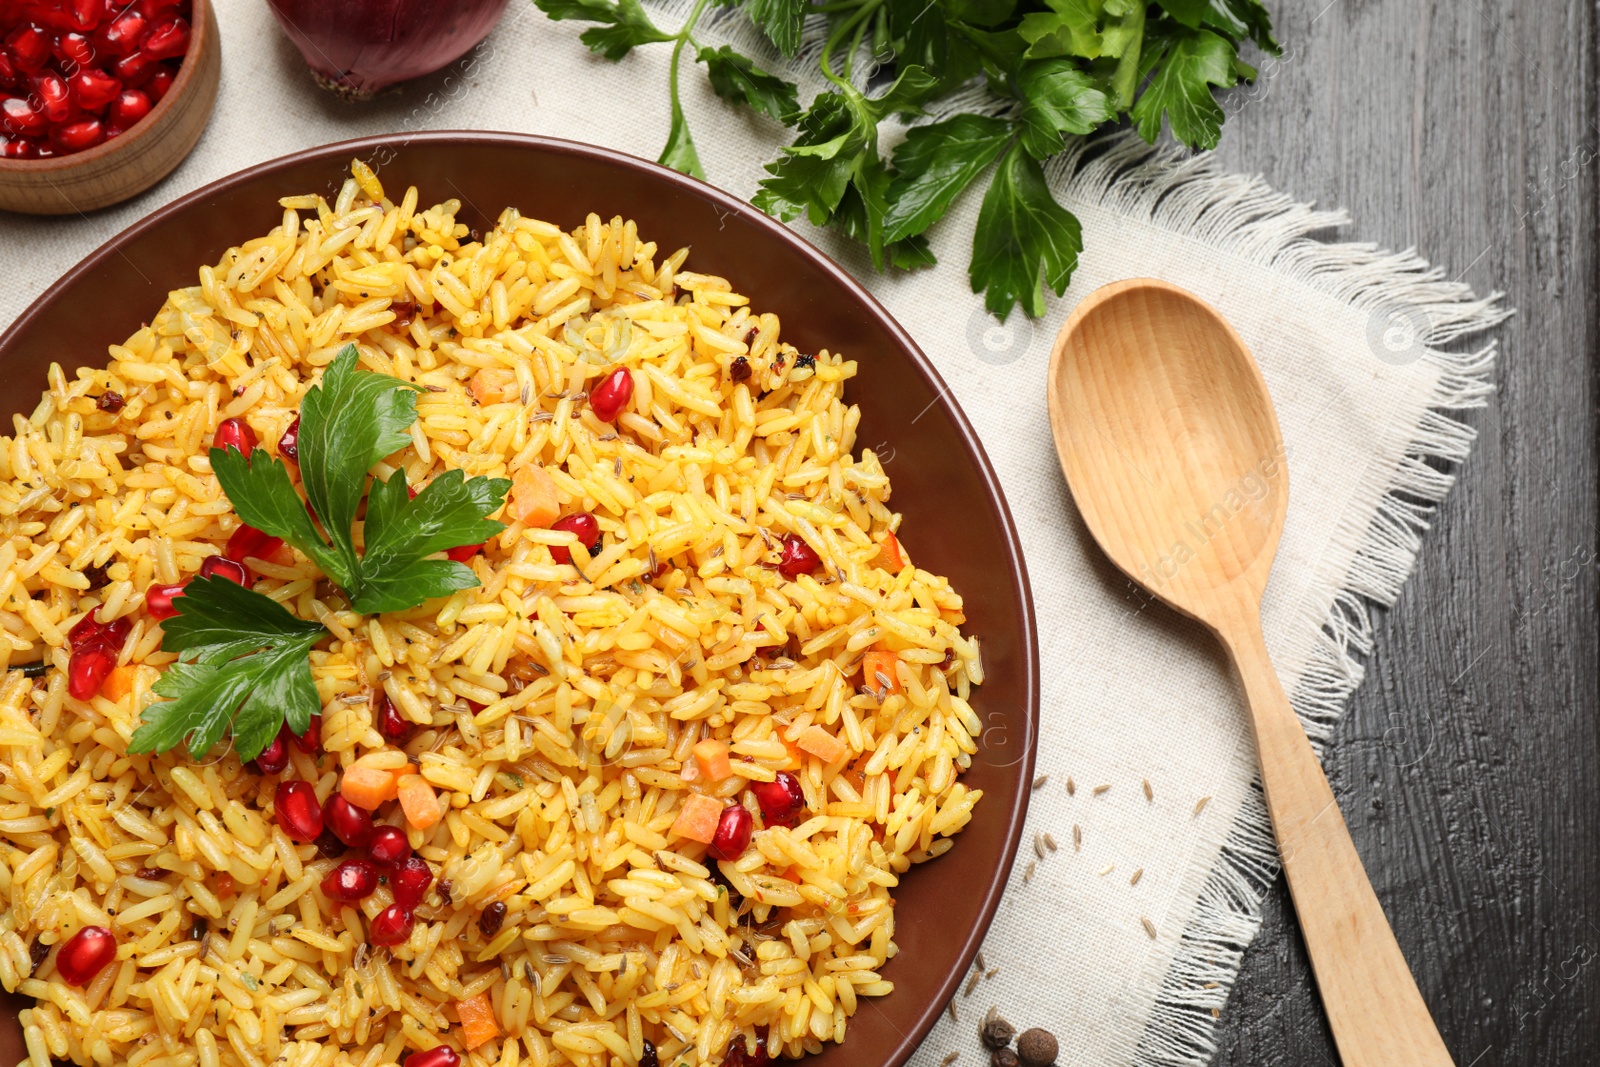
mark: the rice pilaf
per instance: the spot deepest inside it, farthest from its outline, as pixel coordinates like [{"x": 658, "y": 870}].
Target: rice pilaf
[{"x": 556, "y": 706}]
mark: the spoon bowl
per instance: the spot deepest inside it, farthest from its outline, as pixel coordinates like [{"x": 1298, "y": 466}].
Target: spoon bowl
[{"x": 1167, "y": 436}]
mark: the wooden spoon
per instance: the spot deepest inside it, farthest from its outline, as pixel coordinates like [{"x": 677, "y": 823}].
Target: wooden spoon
[{"x": 1171, "y": 448}]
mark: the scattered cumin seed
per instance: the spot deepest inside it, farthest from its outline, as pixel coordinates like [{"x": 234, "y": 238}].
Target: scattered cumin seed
[
  {"x": 1077, "y": 837},
  {"x": 1049, "y": 842},
  {"x": 1149, "y": 927},
  {"x": 1136, "y": 876},
  {"x": 1027, "y": 875},
  {"x": 972, "y": 983},
  {"x": 1200, "y": 805},
  {"x": 948, "y": 1060},
  {"x": 1072, "y": 786},
  {"x": 1101, "y": 788},
  {"x": 981, "y": 965},
  {"x": 991, "y": 972},
  {"x": 1210, "y": 985},
  {"x": 1038, "y": 845},
  {"x": 953, "y": 1012},
  {"x": 1107, "y": 869},
  {"x": 1149, "y": 794},
  {"x": 1038, "y": 783},
  {"x": 1216, "y": 1013}
]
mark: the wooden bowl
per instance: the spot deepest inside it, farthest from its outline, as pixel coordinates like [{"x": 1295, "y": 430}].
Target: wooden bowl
[
  {"x": 114, "y": 170},
  {"x": 956, "y": 519}
]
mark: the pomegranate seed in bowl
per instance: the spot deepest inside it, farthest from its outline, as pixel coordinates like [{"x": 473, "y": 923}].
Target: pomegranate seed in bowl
[
  {"x": 273, "y": 759},
  {"x": 581, "y": 525},
  {"x": 391, "y": 926},
  {"x": 438, "y": 1056},
  {"x": 780, "y": 800},
  {"x": 798, "y": 557},
  {"x": 354, "y": 879},
  {"x": 608, "y": 398},
  {"x": 410, "y": 881},
  {"x": 388, "y": 847},
  {"x": 158, "y": 600},
  {"x": 349, "y": 824},
  {"x": 235, "y": 434},
  {"x": 733, "y": 833},
  {"x": 222, "y": 567}
]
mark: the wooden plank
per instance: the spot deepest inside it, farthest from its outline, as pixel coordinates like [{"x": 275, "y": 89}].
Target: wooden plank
[{"x": 1467, "y": 761}]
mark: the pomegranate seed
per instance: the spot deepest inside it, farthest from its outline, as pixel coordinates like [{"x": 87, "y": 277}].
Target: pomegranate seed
[
  {"x": 166, "y": 40},
  {"x": 349, "y": 824},
  {"x": 581, "y": 525},
  {"x": 463, "y": 553},
  {"x": 354, "y": 879},
  {"x": 85, "y": 954},
  {"x": 88, "y": 669},
  {"x": 158, "y": 600},
  {"x": 289, "y": 443},
  {"x": 247, "y": 542},
  {"x": 122, "y": 36},
  {"x": 157, "y": 9},
  {"x": 233, "y": 433},
  {"x": 158, "y": 84},
  {"x": 74, "y": 52},
  {"x": 94, "y": 89},
  {"x": 21, "y": 118},
  {"x": 391, "y": 724},
  {"x": 798, "y": 557},
  {"x": 388, "y": 847},
  {"x": 17, "y": 150},
  {"x": 392, "y": 926},
  {"x": 438, "y": 1056},
  {"x": 76, "y": 136},
  {"x": 85, "y": 14},
  {"x": 298, "y": 811},
  {"x": 410, "y": 881},
  {"x": 54, "y": 98},
  {"x": 133, "y": 70},
  {"x": 30, "y": 48},
  {"x": 309, "y": 742},
  {"x": 273, "y": 759},
  {"x": 780, "y": 800},
  {"x": 733, "y": 833},
  {"x": 223, "y": 567},
  {"x": 86, "y": 631},
  {"x": 128, "y": 108},
  {"x": 608, "y": 398}
]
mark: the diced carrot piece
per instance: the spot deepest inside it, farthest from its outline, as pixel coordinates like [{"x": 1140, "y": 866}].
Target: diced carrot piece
[
  {"x": 119, "y": 683},
  {"x": 533, "y": 496},
  {"x": 879, "y": 665},
  {"x": 477, "y": 1021},
  {"x": 698, "y": 819},
  {"x": 712, "y": 756},
  {"x": 821, "y": 744},
  {"x": 367, "y": 787},
  {"x": 418, "y": 801},
  {"x": 491, "y": 385},
  {"x": 890, "y": 558}
]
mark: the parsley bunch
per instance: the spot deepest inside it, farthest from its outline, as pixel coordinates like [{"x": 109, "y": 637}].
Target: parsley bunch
[
  {"x": 1062, "y": 68},
  {"x": 242, "y": 655}
]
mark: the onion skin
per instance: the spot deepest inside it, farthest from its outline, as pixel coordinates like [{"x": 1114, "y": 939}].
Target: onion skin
[{"x": 358, "y": 48}]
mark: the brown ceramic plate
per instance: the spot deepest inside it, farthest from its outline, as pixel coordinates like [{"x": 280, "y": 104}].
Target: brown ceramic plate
[{"x": 956, "y": 520}]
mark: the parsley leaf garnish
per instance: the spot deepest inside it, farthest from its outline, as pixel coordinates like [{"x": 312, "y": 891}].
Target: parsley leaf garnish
[
  {"x": 350, "y": 421},
  {"x": 737, "y": 78},
  {"x": 1024, "y": 239},
  {"x": 242, "y": 656},
  {"x": 242, "y": 663}
]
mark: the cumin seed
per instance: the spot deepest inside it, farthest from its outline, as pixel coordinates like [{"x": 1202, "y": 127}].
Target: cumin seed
[
  {"x": 1071, "y": 786},
  {"x": 1038, "y": 845},
  {"x": 1107, "y": 869},
  {"x": 981, "y": 964},
  {"x": 972, "y": 983},
  {"x": 1149, "y": 794},
  {"x": 1101, "y": 788},
  {"x": 1049, "y": 842},
  {"x": 1038, "y": 783},
  {"x": 1200, "y": 805},
  {"x": 948, "y": 1060},
  {"x": 1149, "y": 927},
  {"x": 1136, "y": 876},
  {"x": 1027, "y": 875},
  {"x": 991, "y": 972},
  {"x": 953, "y": 1017},
  {"x": 1077, "y": 837}
]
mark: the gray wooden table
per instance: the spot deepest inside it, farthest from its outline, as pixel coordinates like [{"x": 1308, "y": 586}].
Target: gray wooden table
[{"x": 1467, "y": 762}]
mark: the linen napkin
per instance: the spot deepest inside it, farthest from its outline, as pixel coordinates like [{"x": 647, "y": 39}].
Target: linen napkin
[{"x": 1125, "y": 937}]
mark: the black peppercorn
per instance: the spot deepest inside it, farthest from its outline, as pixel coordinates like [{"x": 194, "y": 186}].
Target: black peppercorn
[
  {"x": 493, "y": 915},
  {"x": 198, "y": 930},
  {"x": 1036, "y": 1048},
  {"x": 994, "y": 1031},
  {"x": 1004, "y": 1056}
]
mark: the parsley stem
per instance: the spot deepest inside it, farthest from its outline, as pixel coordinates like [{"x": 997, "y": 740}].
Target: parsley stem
[
  {"x": 836, "y": 37},
  {"x": 684, "y": 36}
]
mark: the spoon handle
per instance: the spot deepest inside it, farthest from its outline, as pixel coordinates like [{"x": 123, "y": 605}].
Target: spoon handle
[{"x": 1377, "y": 1015}]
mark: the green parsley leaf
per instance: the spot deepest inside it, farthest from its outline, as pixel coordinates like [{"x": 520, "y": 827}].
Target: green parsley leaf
[
  {"x": 401, "y": 533},
  {"x": 626, "y": 26},
  {"x": 1024, "y": 239},
  {"x": 1186, "y": 64},
  {"x": 736, "y": 77},
  {"x": 242, "y": 665},
  {"x": 679, "y": 152},
  {"x": 933, "y": 164},
  {"x": 780, "y": 20},
  {"x": 1060, "y": 99}
]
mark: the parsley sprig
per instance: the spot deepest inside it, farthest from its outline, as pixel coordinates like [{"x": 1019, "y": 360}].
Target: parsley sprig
[
  {"x": 242, "y": 657},
  {"x": 1066, "y": 68}
]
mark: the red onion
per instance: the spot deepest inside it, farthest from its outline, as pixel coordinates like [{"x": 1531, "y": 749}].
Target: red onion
[{"x": 360, "y": 47}]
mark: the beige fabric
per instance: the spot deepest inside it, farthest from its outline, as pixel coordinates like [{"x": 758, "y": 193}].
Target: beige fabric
[{"x": 1348, "y": 339}]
